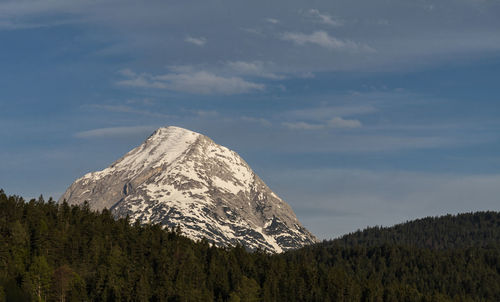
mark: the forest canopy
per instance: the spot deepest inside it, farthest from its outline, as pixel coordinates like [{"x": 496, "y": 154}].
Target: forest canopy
[{"x": 57, "y": 252}]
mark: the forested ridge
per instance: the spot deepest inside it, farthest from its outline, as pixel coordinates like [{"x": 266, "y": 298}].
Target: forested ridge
[
  {"x": 57, "y": 252},
  {"x": 444, "y": 232}
]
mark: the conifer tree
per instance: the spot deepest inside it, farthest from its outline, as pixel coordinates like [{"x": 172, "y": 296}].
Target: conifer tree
[{"x": 38, "y": 278}]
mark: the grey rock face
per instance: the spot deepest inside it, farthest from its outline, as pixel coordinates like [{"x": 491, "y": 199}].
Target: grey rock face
[{"x": 179, "y": 177}]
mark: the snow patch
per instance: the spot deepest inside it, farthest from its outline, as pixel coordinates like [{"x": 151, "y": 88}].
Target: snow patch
[{"x": 226, "y": 185}]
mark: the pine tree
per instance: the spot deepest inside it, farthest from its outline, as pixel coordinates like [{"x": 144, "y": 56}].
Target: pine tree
[
  {"x": 62, "y": 278},
  {"x": 39, "y": 277}
]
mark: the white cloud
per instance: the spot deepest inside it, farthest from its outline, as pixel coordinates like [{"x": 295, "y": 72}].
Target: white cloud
[
  {"x": 326, "y": 117},
  {"x": 306, "y": 75},
  {"x": 258, "y": 120},
  {"x": 204, "y": 82},
  {"x": 127, "y": 72},
  {"x": 255, "y": 68},
  {"x": 114, "y": 132},
  {"x": 9, "y": 25},
  {"x": 324, "y": 18},
  {"x": 316, "y": 137},
  {"x": 303, "y": 126},
  {"x": 253, "y": 31},
  {"x": 323, "y": 39},
  {"x": 322, "y": 113},
  {"x": 272, "y": 20},
  {"x": 376, "y": 143},
  {"x": 150, "y": 33},
  {"x": 127, "y": 109},
  {"x": 187, "y": 79},
  {"x": 207, "y": 113},
  {"x": 143, "y": 80},
  {"x": 30, "y": 7},
  {"x": 144, "y": 101},
  {"x": 338, "y": 122},
  {"x": 196, "y": 41},
  {"x": 25, "y": 14}
]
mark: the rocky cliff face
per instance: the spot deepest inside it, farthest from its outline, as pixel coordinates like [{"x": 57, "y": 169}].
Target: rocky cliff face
[{"x": 181, "y": 178}]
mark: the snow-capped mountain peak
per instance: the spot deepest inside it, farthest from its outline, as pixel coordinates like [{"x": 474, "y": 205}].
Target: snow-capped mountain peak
[{"x": 180, "y": 177}]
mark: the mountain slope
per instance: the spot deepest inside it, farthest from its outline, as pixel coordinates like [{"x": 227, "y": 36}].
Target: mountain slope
[{"x": 181, "y": 178}]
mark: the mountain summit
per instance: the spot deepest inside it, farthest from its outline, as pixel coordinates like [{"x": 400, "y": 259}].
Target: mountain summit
[{"x": 182, "y": 178}]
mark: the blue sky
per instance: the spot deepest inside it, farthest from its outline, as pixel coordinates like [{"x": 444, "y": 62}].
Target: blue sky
[{"x": 359, "y": 113}]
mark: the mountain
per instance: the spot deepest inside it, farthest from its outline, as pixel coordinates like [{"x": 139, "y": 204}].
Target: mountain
[{"x": 182, "y": 178}]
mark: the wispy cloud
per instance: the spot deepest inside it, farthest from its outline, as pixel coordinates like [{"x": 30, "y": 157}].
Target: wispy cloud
[
  {"x": 319, "y": 118},
  {"x": 325, "y": 112},
  {"x": 26, "y": 14},
  {"x": 302, "y": 126},
  {"x": 336, "y": 122},
  {"x": 127, "y": 109},
  {"x": 200, "y": 41},
  {"x": 23, "y": 22},
  {"x": 258, "y": 120},
  {"x": 187, "y": 79},
  {"x": 324, "y": 18},
  {"x": 323, "y": 39},
  {"x": 9, "y": 25},
  {"x": 143, "y": 101},
  {"x": 158, "y": 26},
  {"x": 114, "y": 132},
  {"x": 253, "y": 31},
  {"x": 306, "y": 75},
  {"x": 254, "y": 68},
  {"x": 143, "y": 80},
  {"x": 207, "y": 113}
]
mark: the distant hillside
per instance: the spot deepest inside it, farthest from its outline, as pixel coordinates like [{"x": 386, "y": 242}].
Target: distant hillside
[
  {"x": 58, "y": 252},
  {"x": 446, "y": 232}
]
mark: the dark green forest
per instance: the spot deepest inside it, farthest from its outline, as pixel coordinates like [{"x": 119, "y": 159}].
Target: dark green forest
[{"x": 57, "y": 252}]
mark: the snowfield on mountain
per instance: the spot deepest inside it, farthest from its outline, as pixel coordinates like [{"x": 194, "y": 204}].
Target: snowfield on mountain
[{"x": 178, "y": 177}]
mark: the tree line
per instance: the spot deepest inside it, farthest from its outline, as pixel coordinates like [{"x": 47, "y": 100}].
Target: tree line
[{"x": 57, "y": 252}]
